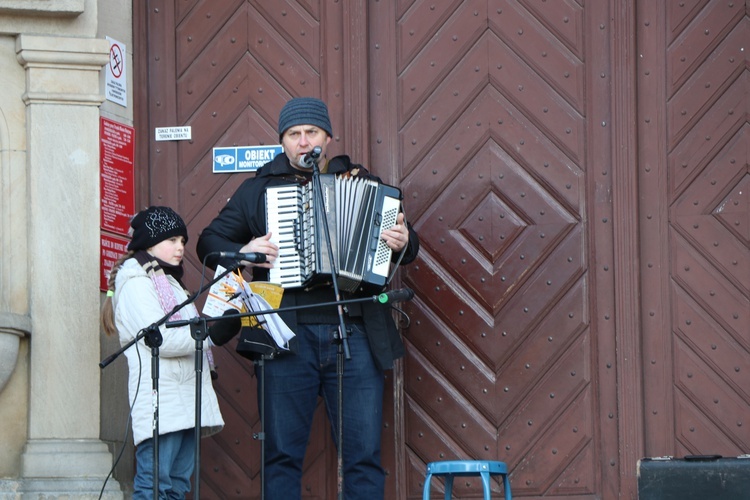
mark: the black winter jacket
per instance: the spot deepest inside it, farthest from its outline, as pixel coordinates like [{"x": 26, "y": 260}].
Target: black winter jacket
[{"x": 244, "y": 218}]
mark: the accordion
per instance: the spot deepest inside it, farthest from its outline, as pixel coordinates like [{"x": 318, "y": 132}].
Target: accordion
[{"x": 354, "y": 209}]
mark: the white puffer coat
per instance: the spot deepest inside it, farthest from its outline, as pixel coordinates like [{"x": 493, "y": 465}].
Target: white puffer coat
[{"x": 137, "y": 306}]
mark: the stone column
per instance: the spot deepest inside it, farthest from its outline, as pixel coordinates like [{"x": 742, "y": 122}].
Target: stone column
[{"x": 64, "y": 457}]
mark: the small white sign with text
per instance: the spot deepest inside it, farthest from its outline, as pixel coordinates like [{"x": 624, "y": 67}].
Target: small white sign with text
[{"x": 173, "y": 133}]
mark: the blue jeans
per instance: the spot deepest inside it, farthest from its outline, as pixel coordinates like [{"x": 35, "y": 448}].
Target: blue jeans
[
  {"x": 176, "y": 464},
  {"x": 292, "y": 386}
]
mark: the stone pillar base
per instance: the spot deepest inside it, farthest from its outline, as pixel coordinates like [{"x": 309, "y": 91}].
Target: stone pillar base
[
  {"x": 69, "y": 489},
  {"x": 67, "y": 469},
  {"x": 10, "y": 489}
]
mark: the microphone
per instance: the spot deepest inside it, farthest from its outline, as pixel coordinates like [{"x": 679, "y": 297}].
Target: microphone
[
  {"x": 223, "y": 330},
  {"x": 308, "y": 160},
  {"x": 254, "y": 257},
  {"x": 401, "y": 295}
]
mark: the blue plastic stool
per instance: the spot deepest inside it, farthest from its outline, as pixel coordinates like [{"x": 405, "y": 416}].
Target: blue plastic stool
[{"x": 453, "y": 468}]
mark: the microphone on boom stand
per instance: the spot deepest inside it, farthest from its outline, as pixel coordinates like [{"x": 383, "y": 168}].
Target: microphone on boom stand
[
  {"x": 253, "y": 257},
  {"x": 392, "y": 296},
  {"x": 308, "y": 160}
]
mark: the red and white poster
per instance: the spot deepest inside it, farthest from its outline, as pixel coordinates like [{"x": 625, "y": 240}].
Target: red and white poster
[
  {"x": 116, "y": 153},
  {"x": 112, "y": 248}
]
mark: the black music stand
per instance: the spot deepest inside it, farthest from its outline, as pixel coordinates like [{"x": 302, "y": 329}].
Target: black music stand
[{"x": 256, "y": 345}]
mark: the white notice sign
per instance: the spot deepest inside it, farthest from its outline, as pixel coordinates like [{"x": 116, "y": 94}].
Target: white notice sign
[
  {"x": 173, "y": 133},
  {"x": 116, "y": 81}
]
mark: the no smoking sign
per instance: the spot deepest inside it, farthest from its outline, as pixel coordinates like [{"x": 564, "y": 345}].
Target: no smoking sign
[
  {"x": 116, "y": 60},
  {"x": 116, "y": 87}
]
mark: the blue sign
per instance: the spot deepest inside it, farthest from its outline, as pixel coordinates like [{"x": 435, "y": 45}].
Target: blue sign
[{"x": 243, "y": 158}]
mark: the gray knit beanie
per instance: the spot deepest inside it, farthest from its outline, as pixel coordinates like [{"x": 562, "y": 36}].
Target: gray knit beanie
[{"x": 304, "y": 111}]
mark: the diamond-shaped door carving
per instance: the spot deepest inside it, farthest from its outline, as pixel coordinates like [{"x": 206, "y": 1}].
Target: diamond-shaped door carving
[{"x": 492, "y": 226}]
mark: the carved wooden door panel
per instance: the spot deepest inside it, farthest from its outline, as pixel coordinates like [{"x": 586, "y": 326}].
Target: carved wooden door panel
[
  {"x": 497, "y": 114},
  {"x": 225, "y": 68},
  {"x": 696, "y": 228}
]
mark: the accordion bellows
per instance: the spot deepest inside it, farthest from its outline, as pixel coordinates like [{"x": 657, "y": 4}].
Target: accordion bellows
[{"x": 354, "y": 210}]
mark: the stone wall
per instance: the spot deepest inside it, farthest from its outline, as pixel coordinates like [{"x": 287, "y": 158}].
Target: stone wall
[{"x": 51, "y": 59}]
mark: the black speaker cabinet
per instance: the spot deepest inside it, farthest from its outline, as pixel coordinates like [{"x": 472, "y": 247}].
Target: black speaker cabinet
[{"x": 697, "y": 477}]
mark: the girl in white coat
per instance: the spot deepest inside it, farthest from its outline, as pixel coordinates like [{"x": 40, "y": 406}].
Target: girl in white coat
[{"x": 144, "y": 285}]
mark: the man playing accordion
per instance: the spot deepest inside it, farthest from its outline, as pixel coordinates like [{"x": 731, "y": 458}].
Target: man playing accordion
[{"x": 294, "y": 380}]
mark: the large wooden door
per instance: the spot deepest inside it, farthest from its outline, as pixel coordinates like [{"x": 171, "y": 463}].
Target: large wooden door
[
  {"x": 496, "y": 125},
  {"x": 578, "y": 175},
  {"x": 226, "y": 68}
]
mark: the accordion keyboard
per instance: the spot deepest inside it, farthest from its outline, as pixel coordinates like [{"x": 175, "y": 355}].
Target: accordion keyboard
[{"x": 283, "y": 221}]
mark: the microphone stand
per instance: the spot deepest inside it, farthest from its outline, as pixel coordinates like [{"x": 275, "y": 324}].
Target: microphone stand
[
  {"x": 199, "y": 332},
  {"x": 261, "y": 436},
  {"x": 153, "y": 338},
  {"x": 342, "y": 341}
]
